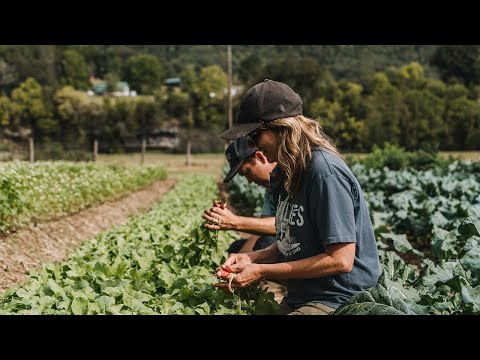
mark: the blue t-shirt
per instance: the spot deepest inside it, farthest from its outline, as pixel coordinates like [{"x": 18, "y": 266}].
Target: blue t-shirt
[
  {"x": 329, "y": 208},
  {"x": 268, "y": 208}
]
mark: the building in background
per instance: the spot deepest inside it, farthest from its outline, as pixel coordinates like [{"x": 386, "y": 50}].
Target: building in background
[{"x": 100, "y": 87}]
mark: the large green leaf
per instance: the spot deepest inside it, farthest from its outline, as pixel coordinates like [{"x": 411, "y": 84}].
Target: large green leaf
[
  {"x": 471, "y": 259},
  {"x": 444, "y": 244},
  {"x": 400, "y": 243},
  {"x": 449, "y": 273},
  {"x": 396, "y": 268},
  {"x": 469, "y": 228},
  {"x": 383, "y": 299},
  {"x": 105, "y": 303},
  {"x": 79, "y": 306},
  {"x": 266, "y": 304}
]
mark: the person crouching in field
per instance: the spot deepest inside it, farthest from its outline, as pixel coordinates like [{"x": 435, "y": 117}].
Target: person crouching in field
[
  {"x": 252, "y": 164},
  {"x": 325, "y": 244}
]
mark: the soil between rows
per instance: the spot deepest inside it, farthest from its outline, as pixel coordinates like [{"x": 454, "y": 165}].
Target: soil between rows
[{"x": 55, "y": 240}]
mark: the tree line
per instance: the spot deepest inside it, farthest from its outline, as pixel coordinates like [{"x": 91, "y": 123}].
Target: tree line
[{"x": 429, "y": 100}]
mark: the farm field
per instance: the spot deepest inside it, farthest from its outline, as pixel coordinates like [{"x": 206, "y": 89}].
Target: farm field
[
  {"x": 158, "y": 263},
  {"x": 427, "y": 226},
  {"x": 45, "y": 190},
  {"x": 174, "y": 163},
  {"x": 426, "y": 221},
  {"x": 55, "y": 240},
  {"x": 462, "y": 155}
]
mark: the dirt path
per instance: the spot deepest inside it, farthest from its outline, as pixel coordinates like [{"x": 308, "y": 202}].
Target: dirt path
[{"x": 55, "y": 240}]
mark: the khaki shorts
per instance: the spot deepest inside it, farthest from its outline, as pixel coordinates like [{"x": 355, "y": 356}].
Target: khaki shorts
[{"x": 311, "y": 308}]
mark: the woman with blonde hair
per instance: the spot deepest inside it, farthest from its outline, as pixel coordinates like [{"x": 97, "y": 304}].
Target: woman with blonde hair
[{"x": 325, "y": 245}]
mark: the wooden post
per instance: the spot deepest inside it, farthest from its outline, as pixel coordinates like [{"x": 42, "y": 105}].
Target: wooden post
[
  {"x": 95, "y": 149},
  {"x": 188, "y": 161},
  {"x": 31, "y": 149},
  {"x": 144, "y": 148},
  {"x": 229, "y": 87}
]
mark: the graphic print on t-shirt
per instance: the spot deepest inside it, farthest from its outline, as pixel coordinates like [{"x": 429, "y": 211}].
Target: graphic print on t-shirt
[{"x": 288, "y": 215}]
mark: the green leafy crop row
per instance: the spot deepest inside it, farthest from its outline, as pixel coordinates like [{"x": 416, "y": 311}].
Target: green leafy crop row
[
  {"x": 427, "y": 224},
  {"x": 157, "y": 263},
  {"x": 46, "y": 190}
]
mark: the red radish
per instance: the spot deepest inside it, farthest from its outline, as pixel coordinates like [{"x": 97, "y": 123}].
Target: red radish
[
  {"x": 227, "y": 268},
  {"x": 225, "y": 272},
  {"x": 222, "y": 274}
]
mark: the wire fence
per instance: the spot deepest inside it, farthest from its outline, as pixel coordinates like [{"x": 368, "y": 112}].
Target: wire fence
[{"x": 186, "y": 141}]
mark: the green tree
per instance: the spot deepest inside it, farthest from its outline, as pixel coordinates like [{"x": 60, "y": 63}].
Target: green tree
[
  {"x": 146, "y": 115},
  {"x": 456, "y": 91},
  {"x": 8, "y": 75},
  {"x": 189, "y": 80},
  {"x": 304, "y": 75},
  {"x": 28, "y": 106},
  {"x": 121, "y": 117},
  {"x": 424, "y": 123},
  {"x": 251, "y": 70},
  {"x": 71, "y": 111},
  {"x": 410, "y": 76},
  {"x": 458, "y": 63},
  {"x": 36, "y": 61},
  {"x": 177, "y": 105},
  {"x": 386, "y": 110},
  {"x": 5, "y": 111},
  {"x": 210, "y": 92},
  {"x": 74, "y": 70},
  {"x": 344, "y": 128},
  {"x": 144, "y": 73},
  {"x": 436, "y": 87},
  {"x": 463, "y": 121}
]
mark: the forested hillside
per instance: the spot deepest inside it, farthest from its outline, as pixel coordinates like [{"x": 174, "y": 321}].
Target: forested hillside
[
  {"x": 48, "y": 64},
  {"x": 414, "y": 96}
]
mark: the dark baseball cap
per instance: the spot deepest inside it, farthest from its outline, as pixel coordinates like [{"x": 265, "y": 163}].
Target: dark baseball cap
[
  {"x": 237, "y": 152},
  {"x": 266, "y": 101}
]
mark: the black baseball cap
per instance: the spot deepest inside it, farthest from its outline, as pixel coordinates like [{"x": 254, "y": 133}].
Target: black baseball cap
[
  {"x": 266, "y": 101},
  {"x": 237, "y": 152}
]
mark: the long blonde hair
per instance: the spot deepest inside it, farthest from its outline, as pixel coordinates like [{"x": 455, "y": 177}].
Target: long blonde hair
[{"x": 297, "y": 136}]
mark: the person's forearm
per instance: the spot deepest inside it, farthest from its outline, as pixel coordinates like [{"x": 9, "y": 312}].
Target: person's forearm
[
  {"x": 265, "y": 256},
  {"x": 317, "y": 266},
  {"x": 257, "y": 226},
  {"x": 249, "y": 244}
]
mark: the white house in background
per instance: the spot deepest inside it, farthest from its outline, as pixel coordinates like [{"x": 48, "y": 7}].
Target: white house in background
[{"x": 121, "y": 89}]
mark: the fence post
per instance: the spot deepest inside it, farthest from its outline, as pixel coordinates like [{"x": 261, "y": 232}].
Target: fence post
[
  {"x": 144, "y": 149},
  {"x": 31, "y": 149},
  {"x": 95, "y": 149},
  {"x": 188, "y": 160}
]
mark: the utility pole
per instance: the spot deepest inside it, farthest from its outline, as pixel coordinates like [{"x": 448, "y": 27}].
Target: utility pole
[{"x": 229, "y": 86}]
